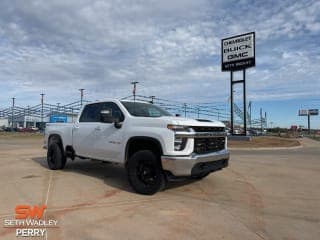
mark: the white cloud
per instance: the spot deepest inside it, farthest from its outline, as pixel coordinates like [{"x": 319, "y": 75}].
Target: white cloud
[{"x": 171, "y": 47}]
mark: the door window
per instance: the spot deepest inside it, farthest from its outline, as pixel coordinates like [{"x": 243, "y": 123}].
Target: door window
[{"x": 91, "y": 112}]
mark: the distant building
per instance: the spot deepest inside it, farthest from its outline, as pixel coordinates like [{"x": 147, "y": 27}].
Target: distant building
[
  {"x": 28, "y": 121},
  {"x": 4, "y": 122}
]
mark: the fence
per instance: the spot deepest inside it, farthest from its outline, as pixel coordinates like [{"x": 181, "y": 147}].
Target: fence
[{"x": 40, "y": 113}]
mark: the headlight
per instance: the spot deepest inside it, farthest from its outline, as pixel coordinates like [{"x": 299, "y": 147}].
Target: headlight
[
  {"x": 178, "y": 128},
  {"x": 179, "y": 142}
]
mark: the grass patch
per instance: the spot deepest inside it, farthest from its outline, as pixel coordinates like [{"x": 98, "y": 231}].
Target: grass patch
[
  {"x": 258, "y": 142},
  {"x": 15, "y": 135}
]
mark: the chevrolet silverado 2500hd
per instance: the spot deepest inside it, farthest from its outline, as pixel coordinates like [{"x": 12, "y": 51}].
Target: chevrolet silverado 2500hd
[{"x": 151, "y": 143}]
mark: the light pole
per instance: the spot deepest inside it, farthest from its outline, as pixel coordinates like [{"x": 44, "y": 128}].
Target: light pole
[
  {"x": 134, "y": 83},
  {"x": 13, "y": 100},
  {"x": 42, "y": 95},
  {"x": 261, "y": 120},
  {"x": 81, "y": 96},
  {"x": 152, "y": 99},
  {"x": 250, "y": 117}
]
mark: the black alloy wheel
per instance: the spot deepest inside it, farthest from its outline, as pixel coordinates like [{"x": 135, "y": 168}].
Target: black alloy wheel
[{"x": 145, "y": 173}]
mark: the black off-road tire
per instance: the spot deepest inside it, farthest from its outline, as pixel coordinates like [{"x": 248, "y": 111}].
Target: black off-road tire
[
  {"x": 145, "y": 173},
  {"x": 55, "y": 157}
]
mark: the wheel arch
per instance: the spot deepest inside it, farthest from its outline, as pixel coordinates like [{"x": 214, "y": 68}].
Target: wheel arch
[{"x": 135, "y": 144}]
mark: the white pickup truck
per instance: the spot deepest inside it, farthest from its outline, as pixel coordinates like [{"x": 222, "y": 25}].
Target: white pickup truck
[{"x": 152, "y": 144}]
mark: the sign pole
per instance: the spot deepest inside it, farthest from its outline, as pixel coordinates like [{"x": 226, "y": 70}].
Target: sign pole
[
  {"x": 244, "y": 103},
  {"x": 308, "y": 113},
  {"x": 231, "y": 100},
  {"x": 237, "y": 54},
  {"x": 309, "y": 131}
]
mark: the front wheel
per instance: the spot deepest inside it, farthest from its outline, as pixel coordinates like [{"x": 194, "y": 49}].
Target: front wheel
[{"x": 145, "y": 173}]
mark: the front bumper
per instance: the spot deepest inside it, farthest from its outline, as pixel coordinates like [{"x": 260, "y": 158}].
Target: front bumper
[{"x": 195, "y": 163}]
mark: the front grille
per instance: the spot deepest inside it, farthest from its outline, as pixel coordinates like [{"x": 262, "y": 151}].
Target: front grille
[
  {"x": 208, "y": 129},
  {"x": 208, "y": 145}
]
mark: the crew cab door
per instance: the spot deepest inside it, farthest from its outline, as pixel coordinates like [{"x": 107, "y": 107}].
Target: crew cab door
[
  {"x": 85, "y": 131},
  {"x": 97, "y": 137},
  {"x": 109, "y": 141}
]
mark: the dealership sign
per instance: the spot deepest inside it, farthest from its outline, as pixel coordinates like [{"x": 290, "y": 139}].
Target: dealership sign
[
  {"x": 303, "y": 112},
  {"x": 314, "y": 111},
  {"x": 306, "y": 112},
  {"x": 238, "y": 52}
]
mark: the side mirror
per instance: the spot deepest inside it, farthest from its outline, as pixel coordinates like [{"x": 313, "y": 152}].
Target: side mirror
[
  {"x": 117, "y": 123},
  {"x": 106, "y": 116}
]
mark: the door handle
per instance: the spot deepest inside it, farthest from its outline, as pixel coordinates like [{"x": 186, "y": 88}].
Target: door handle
[{"x": 97, "y": 128}]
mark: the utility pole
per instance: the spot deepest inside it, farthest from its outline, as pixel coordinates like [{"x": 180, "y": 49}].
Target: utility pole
[
  {"x": 13, "y": 100},
  {"x": 42, "y": 126},
  {"x": 250, "y": 119},
  {"x": 185, "y": 110},
  {"x": 134, "y": 83},
  {"x": 261, "y": 119},
  {"x": 309, "y": 130},
  {"x": 28, "y": 112},
  {"x": 81, "y": 96},
  {"x": 265, "y": 120},
  {"x": 152, "y": 99}
]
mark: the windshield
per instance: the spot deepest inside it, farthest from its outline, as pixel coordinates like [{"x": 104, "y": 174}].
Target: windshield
[{"x": 139, "y": 109}]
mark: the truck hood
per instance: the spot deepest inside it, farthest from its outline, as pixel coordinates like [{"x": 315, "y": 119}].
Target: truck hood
[{"x": 191, "y": 122}]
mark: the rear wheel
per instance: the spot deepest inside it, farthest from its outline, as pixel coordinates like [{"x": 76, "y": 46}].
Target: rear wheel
[
  {"x": 55, "y": 157},
  {"x": 145, "y": 173}
]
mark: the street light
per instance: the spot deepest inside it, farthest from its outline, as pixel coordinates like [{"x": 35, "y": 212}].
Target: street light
[
  {"x": 81, "y": 95},
  {"x": 134, "y": 83},
  {"x": 42, "y": 95},
  {"x": 152, "y": 99},
  {"x": 13, "y": 101}
]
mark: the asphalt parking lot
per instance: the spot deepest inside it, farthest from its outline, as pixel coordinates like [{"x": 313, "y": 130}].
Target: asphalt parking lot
[{"x": 263, "y": 194}]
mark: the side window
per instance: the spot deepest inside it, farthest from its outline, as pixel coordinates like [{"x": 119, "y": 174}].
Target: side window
[
  {"x": 153, "y": 112},
  {"x": 91, "y": 113},
  {"x": 115, "y": 110}
]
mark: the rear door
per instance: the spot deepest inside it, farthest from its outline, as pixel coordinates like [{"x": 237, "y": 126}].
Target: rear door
[{"x": 86, "y": 130}]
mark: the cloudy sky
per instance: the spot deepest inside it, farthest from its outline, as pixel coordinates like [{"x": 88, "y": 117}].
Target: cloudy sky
[{"x": 171, "y": 47}]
